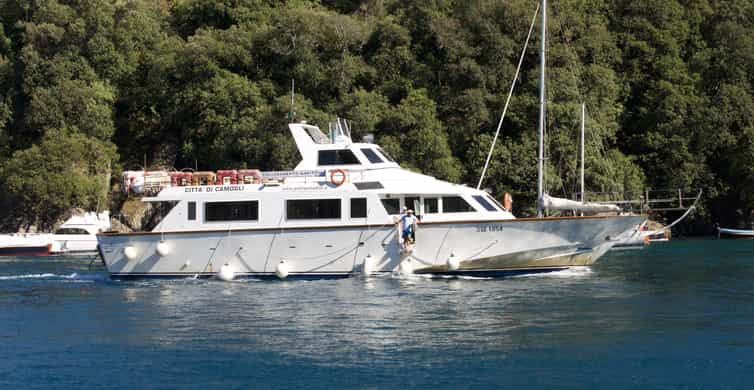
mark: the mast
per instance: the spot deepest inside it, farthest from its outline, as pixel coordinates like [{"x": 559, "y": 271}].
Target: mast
[
  {"x": 583, "y": 116},
  {"x": 540, "y": 159}
]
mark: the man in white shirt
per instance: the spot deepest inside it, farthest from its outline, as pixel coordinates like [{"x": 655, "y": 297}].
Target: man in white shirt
[{"x": 408, "y": 227}]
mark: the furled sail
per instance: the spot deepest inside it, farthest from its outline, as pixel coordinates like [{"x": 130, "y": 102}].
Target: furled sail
[{"x": 553, "y": 203}]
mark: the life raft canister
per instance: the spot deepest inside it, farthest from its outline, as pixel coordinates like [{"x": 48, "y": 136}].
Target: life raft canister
[{"x": 338, "y": 177}]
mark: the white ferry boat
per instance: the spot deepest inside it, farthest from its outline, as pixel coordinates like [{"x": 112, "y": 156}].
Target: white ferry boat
[{"x": 335, "y": 215}]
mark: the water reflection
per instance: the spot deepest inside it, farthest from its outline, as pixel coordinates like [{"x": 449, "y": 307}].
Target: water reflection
[
  {"x": 374, "y": 318},
  {"x": 365, "y": 321}
]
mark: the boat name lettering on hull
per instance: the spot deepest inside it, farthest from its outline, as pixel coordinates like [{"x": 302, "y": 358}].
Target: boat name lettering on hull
[
  {"x": 489, "y": 228},
  {"x": 214, "y": 189},
  {"x": 226, "y": 188}
]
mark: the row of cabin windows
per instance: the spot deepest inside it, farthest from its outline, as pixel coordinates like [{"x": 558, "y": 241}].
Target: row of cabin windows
[
  {"x": 297, "y": 209},
  {"x": 294, "y": 209},
  {"x": 450, "y": 204}
]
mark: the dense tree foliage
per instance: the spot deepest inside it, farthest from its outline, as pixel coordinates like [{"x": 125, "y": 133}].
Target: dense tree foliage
[{"x": 90, "y": 86}]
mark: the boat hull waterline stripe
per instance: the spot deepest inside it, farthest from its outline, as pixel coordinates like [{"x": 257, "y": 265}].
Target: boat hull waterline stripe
[{"x": 480, "y": 273}]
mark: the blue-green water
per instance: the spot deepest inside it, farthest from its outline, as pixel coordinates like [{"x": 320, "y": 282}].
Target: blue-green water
[{"x": 677, "y": 315}]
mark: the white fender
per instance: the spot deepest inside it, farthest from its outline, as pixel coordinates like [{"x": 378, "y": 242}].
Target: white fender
[
  {"x": 453, "y": 263},
  {"x": 226, "y": 273},
  {"x": 282, "y": 269},
  {"x": 368, "y": 266},
  {"x": 130, "y": 252},
  {"x": 163, "y": 249}
]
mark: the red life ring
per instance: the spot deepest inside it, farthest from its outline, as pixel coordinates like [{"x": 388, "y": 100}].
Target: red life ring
[{"x": 338, "y": 177}]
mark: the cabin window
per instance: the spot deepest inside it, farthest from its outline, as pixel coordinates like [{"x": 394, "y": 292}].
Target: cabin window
[
  {"x": 337, "y": 157},
  {"x": 358, "y": 207},
  {"x": 455, "y": 204},
  {"x": 495, "y": 202},
  {"x": 412, "y": 202},
  {"x": 159, "y": 211},
  {"x": 430, "y": 206},
  {"x": 70, "y": 230},
  {"x": 312, "y": 209},
  {"x": 384, "y": 154},
  {"x": 192, "y": 211},
  {"x": 368, "y": 185},
  {"x": 392, "y": 206},
  {"x": 487, "y": 205},
  {"x": 317, "y": 136},
  {"x": 231, "y": 211},
  {"x": 372, "y": 156}
]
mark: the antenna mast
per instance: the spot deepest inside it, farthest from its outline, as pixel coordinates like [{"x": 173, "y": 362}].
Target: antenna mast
[
  {"x": 292, "y": 113},
  {"x": 540, "y": 159}
]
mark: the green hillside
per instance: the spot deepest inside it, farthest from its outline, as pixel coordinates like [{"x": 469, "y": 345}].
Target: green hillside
[{"x": 89, "y": 88}]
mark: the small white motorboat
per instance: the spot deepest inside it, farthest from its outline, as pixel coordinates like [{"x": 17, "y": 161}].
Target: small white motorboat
[
  {"x": 734, "y": 233},
  {"x": 77, "y": 235}
]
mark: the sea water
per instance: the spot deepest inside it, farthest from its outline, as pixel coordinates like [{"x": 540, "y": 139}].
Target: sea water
[{"x": 676, "y": 315}]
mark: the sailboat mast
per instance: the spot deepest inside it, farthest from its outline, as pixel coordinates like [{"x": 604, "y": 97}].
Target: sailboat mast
[
  {"x": 540, "y": 162},
  {"x": 583, "y": 116}
]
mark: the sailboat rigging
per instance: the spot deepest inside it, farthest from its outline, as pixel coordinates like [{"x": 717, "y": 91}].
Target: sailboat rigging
[{"x": 306, "y": 226}]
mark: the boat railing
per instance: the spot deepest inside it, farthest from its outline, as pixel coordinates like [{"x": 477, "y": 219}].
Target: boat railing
[
  {"x": 149, "y": 187},
  {"x": 340, "y": 131},
  {"x": 649, "y": 200}
]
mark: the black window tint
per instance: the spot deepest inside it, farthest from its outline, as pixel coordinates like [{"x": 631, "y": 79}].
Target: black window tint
[
  {"x": 392, "y": 206},
  {"x": 412, "y": 202},
  {"x": 372, "y": 156},
  {"x": 430, "y": 206},
  {"x": 312, "y": 208},
  {"x": 358, "y": 207},
  {"x": 455, "y": 204},
  {"x": 368, "y": 185},
  {"x": 231, "y": 211},
  {"x": 387, "y": 156},
  {"x": 337, "y": 157},
  {"x": 493, "y": 200},
  {"x": 192, "y": 211},
  {"x": 484, "y": 203},
  {"x": 71, "y": 231}
]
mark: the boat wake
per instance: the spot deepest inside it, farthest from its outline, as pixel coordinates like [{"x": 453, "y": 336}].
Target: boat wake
[
  {"x": 572, "y": 272},
  {"x": 50, "y": 276}
]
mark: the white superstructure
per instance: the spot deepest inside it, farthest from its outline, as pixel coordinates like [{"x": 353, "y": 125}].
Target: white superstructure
[
  {"x": 335, "y": 215},
  {"x": 78, "y": 234}
]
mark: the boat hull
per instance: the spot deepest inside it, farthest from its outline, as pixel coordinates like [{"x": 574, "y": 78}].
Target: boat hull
[
  {"x": 31, "y": 250},
  {"x": 74, "y": 245},
  {"x": 484, "y": 248}
]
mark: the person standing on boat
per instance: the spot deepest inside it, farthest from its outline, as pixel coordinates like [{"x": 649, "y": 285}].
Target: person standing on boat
[{"x": 408, "y": 227}]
